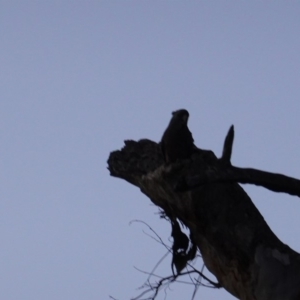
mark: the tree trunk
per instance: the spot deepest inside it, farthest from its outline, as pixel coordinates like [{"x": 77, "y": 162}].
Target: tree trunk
[{"x": 236, "y": 243}]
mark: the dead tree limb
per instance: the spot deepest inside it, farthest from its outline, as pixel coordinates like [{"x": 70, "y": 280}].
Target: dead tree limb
[
  {"x": 225, "y": 172},
  {"x": 236, "y": 243},
  {"x": 271, "y": 181},
  {"x": 228, "y": 143}
]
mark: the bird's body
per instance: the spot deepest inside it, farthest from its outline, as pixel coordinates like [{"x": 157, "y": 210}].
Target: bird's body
[
  {"x": 179, "y": 248},
  {"x": 177, "y": 141}
]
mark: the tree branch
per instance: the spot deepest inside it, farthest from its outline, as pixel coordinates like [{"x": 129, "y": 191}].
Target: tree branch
[
  {"x": 227, "y": 148},
  {"x": 225, "y": 172},
  {"x": 235, "y": 242},
  {"x": 271, "y": 181}
]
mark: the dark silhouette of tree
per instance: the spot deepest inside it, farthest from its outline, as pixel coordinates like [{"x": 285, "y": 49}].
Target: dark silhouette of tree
[{"x": 235, "y": 242}]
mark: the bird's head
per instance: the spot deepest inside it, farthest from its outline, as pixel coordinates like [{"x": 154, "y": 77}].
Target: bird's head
[{"x": 182, "y": 115}]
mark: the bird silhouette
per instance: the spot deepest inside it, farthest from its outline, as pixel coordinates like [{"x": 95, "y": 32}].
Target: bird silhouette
[{"x": 177, "y": 141}]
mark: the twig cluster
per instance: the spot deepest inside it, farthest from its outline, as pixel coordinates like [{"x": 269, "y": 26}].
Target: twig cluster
[{"x": 151, "y": 289}]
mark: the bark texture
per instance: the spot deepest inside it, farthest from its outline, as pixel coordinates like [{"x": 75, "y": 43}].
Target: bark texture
[{"x": 236, "y": 243}]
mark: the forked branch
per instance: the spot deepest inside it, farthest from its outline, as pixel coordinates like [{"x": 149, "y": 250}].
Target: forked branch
[{"x": 225, "y": 172}]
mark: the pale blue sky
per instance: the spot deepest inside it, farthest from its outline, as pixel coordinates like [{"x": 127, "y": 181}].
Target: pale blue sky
[{"x": 79, "y": 77}]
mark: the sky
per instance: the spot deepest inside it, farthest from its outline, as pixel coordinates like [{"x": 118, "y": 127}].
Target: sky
[{"x": 80, "y": 77}]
